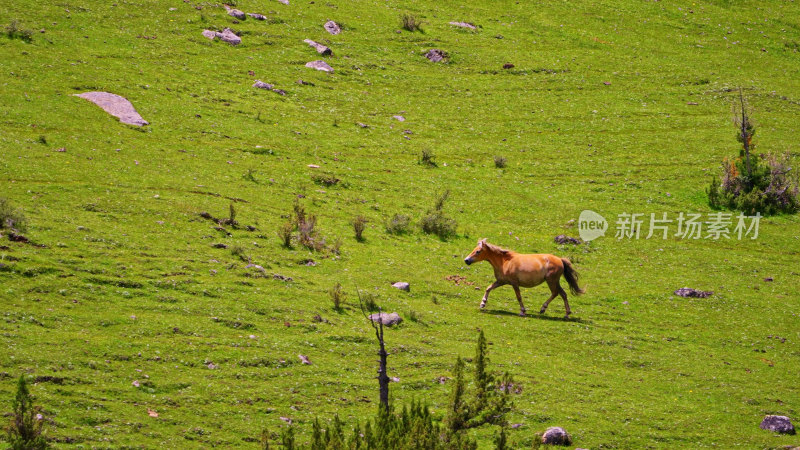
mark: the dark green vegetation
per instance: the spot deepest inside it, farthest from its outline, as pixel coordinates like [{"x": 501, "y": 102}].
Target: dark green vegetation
[
  {"x": 25, "y": 430},
  {"x": 754, "y": 183},
  {"x": 613, "y": 107}
]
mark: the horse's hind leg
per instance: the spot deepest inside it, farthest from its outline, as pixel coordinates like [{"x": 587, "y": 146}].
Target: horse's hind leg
[
  {"x": 563, "y": 294},
  {"x": 519, "y": 299},
  {"x": 486, "y": 294},
  {"x": 554, "y": 288}
]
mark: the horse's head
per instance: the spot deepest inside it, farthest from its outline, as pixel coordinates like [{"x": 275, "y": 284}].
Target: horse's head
[{"x": 478, "y": 253}]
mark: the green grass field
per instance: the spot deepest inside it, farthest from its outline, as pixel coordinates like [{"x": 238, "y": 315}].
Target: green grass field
[{"x": 616, "y": 107}]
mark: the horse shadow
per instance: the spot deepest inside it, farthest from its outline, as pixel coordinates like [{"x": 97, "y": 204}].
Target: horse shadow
[{"x": 536, "y": 316}]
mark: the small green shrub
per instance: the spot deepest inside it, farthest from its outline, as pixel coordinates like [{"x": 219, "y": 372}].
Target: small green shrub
[
  {"x": 410, "y": 22},
  {"x": 359, "y": 225},
  {"x": 368, "y": 301},
  {"x": 11, "y": 218},
  {"x": 337, "y": 296},
  {"x": 436, "y": 222},
  {"x": 427, "y": 159},
  {"x": 13, "y": 31},
  {"x": 398, "y": 224},
  {"x": 239, "y": 251},
  {"x": 285, "y": 234},
  {"x": 500, "y": 162},
  {"x": 26, "y": 429}
]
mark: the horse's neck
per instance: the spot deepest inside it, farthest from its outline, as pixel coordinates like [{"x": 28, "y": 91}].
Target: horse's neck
[{"x": 496, "y": 260}]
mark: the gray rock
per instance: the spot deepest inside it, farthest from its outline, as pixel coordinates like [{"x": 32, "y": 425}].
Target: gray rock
[
  {"x": 210, "y": 34},
  {"x": 229, "y": 36},
  {"x": 321, "y": 49},
  {"x": 237, "y": 14},
  {"x": 261, "y": 85},
  {"x": 778, "y": 424},
  {"x": 285, "y": 2},
  {"x": 556, "y": 436},
  {"x": 386, "y": 318},
  {"x": 399, "y": 118},
  {"x": 689, "y": 292},
  {"x": 115, "y": 105},
  {"x": 320, "y": 65},
  {"x": 436, "y": 55},
  {"x": 402, "y": 285},
  {"x": 332, "y": 27},
  {"x": 464, "y": 25},
  {"x": 257, "y": 16}
]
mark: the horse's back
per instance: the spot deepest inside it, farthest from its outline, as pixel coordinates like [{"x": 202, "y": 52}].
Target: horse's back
[{"x": 531, "y": 269}]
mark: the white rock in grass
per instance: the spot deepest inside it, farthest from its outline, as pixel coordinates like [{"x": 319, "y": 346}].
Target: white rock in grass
[
  {"x": 320, "y": 65},
  {"x": 229, "y": 36},
  {"x": 402, "y": 285},
  {"x": 115, "y": 105},
  {"x": 332, "y": 27},
  {"x": 237, "y": 14}
]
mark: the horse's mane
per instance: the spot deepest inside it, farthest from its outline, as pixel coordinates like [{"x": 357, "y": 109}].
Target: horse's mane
[{"x": 495, "y": 249}]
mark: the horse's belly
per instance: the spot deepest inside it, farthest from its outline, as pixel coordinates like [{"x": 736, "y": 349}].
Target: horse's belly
[{"x": 530, "y": 279}]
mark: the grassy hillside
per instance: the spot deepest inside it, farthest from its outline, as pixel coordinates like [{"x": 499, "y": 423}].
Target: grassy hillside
[{"x": 617, "y": 108}]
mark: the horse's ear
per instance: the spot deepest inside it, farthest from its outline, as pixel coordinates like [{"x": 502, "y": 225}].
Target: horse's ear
[{"x": 482, "y": 242}]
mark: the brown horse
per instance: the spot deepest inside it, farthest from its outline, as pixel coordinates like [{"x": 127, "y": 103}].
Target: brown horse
[{"x": 520, "y": 270}]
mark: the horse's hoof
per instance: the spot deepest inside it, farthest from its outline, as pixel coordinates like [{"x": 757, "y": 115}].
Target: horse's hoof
[
  {"x": 483, "y": 305},
  {"x": 541, "y": 311},
  {"x": 522, "y": 313}
]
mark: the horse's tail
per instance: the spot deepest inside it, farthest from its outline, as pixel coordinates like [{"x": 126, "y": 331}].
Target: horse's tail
[{"x": 571, "y": 275}]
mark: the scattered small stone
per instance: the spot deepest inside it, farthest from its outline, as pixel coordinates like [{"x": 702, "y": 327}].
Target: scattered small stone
[
  {"x": 212, "y": 366},
  {"x": 436, "y": 55},
  {"x": 556, "y": 436},
  {"x": 255, "y": 266},
  {"x": 508, "y": 66},
  {"x": 399, "y": 118},
  {"x": 304, "y": 359},
  {"x": 229, "y": 36},
  {"x": 305, "y": 83},
  {"x": 313, "y": 166},
  {"x": 61, "y": 149},
  {"x": 395, "y": 379},
  {"x": 689, "y": 292},
  {"x": 135, "y": 383},
  {"x": 386, "y": 318},
  {"x": 285, "y": 2},
  {"x": 564, "y": 239},
  {"x": 321, "y": 49},
  {"x": 332, "y": 27},
  {"x": 286, "y": 419},
  {"x": 220, "y": 245},
  {"x": 151, "y": 413},
  {"x": 237, "y": 14},
  {"x": 607, "y": 83},
  {"x": 778, "y": 424},
  {"x": 261, "y": 85},
  {"x": 692, "y": 103},
  {"x": 210, "y": 34},
  {"x": 279, "y": 91},
  {"x": 516, "y": 425},
  {"x": 115, "y": 105},
  {"x": 362, "y": 125},
  {"x": 402, "y": 285},
  {"x": 280, "y": 277},
  {"x": 320, "y": 65},
  {"x": 464, "y": 25},
  {"x": 769, "y": 279},
  {"x": 257, "y": 16}
]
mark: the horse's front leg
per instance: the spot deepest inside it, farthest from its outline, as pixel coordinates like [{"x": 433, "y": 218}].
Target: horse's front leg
[
  {"x": 519, "y": 299},
  {"x": 486, "y": 294}
]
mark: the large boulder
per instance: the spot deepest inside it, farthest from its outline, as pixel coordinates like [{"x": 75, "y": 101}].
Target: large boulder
[
  {"x": 556, "y": 436},
  {"x": 402, "y": 285},
  {"x": 320, "y": 65},
  {"x": 115, "y": 105},
  {"x": 332, "y": 27},
  {"x": 229, "y": 36},
  {"x": 386, "y": 318},
  {"x": 321, "y": 49},
  {"x": 237, "y": 14},
  {"x": 778, "y": 424}
]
